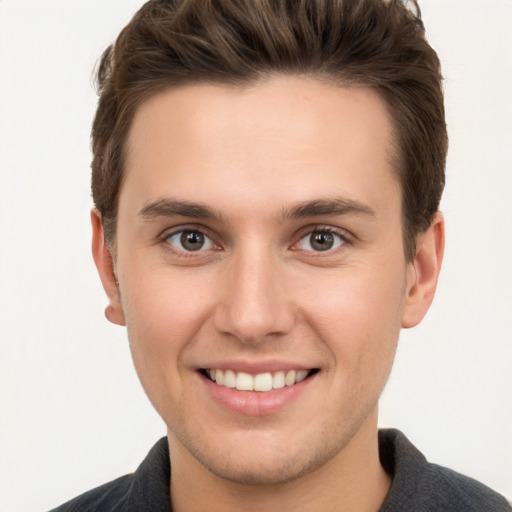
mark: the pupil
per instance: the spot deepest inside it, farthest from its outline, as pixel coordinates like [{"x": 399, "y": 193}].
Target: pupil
[
  {"x": 322, "y": 241},
  {"x": 192, "y": 240}
]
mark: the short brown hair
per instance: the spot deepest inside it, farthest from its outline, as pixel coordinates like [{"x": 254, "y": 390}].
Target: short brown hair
[{"x": 375, "y": 43}]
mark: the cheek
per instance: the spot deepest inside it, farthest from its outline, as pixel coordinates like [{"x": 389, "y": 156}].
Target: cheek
[
  {"x": 358, "y": 318},
  {"x": 163, "y": 314}
]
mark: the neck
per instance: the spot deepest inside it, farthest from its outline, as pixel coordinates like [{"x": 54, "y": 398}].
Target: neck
[{"x": 352, "y": 480}]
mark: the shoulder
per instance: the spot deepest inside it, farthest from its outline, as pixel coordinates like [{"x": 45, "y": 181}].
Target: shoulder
[
  {"x": 450, "y": 490},
  {"x": 145, "y": 490},
  {"x": 424, "y": 487},
  {"x": 110, "y": 496}
]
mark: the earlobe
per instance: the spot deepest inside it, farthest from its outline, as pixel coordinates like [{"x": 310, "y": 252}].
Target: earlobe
[
  {"x": 423, "y": 272},
  {"x": 105, "y": 266}
]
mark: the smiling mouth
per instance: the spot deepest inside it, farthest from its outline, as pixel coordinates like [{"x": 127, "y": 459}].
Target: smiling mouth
[{"x": 260, "y": 382}]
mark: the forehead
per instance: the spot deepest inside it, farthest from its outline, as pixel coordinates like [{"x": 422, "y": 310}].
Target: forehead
[{"x": 285, "y": 138}]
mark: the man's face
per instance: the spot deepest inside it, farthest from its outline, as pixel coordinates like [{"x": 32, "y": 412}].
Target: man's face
[{"x": 260, "y": 241}]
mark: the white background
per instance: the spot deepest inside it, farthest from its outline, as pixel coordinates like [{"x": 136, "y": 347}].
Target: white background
[{"x": 72, "y": 413}]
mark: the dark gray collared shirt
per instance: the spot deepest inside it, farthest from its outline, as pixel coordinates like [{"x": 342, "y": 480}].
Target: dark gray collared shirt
[{"x": 418, "y": 486}]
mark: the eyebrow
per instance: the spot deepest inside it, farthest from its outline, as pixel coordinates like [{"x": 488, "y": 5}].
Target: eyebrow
[
  {"x": 173, "y": 207},
  {"x": 305, "y": 209},
  {"x": 335, "y": 206}
]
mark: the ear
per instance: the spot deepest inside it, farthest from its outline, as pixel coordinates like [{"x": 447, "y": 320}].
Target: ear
[
  {"x": 423, "y": 272},
  {"x": 105, "y": 266}
]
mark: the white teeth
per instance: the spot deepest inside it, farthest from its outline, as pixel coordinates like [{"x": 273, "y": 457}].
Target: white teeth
[
  {"x": 278, "y": 380},
  {"x": 290, "y": 378},
  {"x": 229, "y": 379},
  {"x": 244, "y": 382},
  {"x": 301, "y": 375},
  {"x": 261, "y": 382}
]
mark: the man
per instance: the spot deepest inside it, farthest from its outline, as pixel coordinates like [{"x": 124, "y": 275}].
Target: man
[{"x": 267, "y": 177}]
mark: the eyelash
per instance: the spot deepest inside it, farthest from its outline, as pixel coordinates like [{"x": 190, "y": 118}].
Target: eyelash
[
  {"x": 165, "y": 239},
  {"x": 341, "y": 234}
]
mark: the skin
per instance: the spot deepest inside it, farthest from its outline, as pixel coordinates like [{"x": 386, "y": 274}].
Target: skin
[{"x": 259, "y": 292}]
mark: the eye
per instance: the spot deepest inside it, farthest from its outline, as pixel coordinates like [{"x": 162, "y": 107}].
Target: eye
[
  {"x": 321, "y": 240},
  {"x": 190, "y": 240}
]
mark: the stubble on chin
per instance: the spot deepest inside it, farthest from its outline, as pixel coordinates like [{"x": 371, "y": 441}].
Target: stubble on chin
[{"x": 280, "y": 467}]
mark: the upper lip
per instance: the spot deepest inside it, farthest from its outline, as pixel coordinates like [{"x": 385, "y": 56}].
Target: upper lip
[{"x": 255, "y": 367}]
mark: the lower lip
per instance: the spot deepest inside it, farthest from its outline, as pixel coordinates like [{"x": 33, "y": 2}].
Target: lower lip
[{"x": 255, "y": 403}]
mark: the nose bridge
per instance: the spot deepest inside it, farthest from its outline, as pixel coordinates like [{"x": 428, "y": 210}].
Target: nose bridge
[{"x": 254, "y": 301}]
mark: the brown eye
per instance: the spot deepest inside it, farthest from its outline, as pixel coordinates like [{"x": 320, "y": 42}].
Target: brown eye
[
  {"x": 321, "y": 241},
  {"x": 190, "y": 240}
]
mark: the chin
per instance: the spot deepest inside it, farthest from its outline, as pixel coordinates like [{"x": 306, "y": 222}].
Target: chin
[
  {"x": 263, "y": 472},
  {"x": 265, "y": 462}
]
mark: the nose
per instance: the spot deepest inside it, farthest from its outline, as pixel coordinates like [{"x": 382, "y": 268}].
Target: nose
[{"x": 254, "y": 304}]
